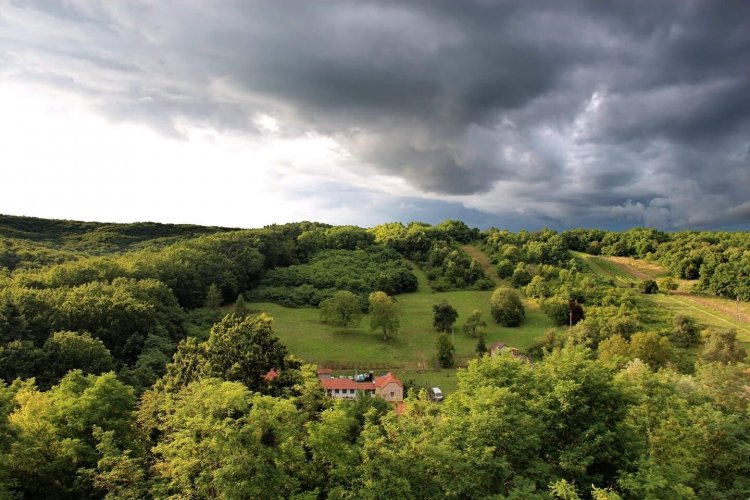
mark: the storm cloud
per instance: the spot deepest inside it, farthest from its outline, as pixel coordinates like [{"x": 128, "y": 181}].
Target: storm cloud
[{"x": 564, "y": 113}]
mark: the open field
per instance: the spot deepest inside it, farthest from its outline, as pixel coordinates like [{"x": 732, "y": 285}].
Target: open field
[
  {"x": 638, "y": 268},
  {"x": 412, "y": 351},
  {"x": 411, "y": 354}
]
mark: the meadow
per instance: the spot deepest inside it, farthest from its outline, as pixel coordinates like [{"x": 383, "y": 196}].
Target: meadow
[
  {"x": 411, "y": 354},
  {"x": 709, "y": 310}
]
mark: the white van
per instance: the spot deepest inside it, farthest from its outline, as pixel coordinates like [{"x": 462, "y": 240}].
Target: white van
[{"x": 436, "y": 394}]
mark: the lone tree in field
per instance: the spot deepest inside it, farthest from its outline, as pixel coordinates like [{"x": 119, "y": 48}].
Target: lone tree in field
[
  {"x": 506, "y": 307},
  {"x": 444, "y": 316},
  {"x": 384, "y": 314},
  {"x": 481, "y": 348},
  {"x": 475, "y": 325},
  {"x": 343, "y": 309},
  {"x": 445, "y": 350},
  {"x": 240, "y": 308}
]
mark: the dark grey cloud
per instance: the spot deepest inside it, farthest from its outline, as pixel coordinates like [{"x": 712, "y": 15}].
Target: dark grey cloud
[{"x": 555, "y": 111}]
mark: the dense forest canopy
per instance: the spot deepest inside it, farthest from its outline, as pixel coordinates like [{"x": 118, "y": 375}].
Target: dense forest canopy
[{"x": 103, "y": 371}]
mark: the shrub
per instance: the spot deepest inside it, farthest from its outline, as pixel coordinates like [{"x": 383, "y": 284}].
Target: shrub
[
  {"x": 648, "y": 287},
  {"x": 506, "y": 307}
]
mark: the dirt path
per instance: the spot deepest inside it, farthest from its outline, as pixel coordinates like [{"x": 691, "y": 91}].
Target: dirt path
[
  {"x": 629, "y": 269},
  {"x": 483, "y": 261}
]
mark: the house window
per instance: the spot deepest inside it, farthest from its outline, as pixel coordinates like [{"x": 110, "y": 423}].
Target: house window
[{"x": 393, "y": 394}]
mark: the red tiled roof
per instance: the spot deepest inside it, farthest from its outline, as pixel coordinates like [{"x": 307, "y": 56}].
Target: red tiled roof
[
  {"x": 322, "y": 371},
  {"x": 346, "y": 383},
  {"x": 387, "y": 379},
  {"x": 272, "y": 374}
]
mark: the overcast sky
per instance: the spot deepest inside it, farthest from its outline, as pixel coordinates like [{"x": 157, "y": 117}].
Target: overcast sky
[{"x": 510, "y": 114}]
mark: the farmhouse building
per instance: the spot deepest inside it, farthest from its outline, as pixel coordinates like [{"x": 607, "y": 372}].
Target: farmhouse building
[
  {"x": 501, "y": 348},
  {"x": 387, "y": 387}
]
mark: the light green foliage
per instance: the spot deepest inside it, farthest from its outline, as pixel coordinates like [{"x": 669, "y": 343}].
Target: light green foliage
[
  {"x": 475, "y": 326},
  {"x": 444, "y": 316},
  {"x": 624, "y": 425},
  {"x": 668, "y": 284},
  {"x": 342, "y": 309},
  {"x": 537, "y": 288},
  {"x": 506, "y": 307},
  {"x": 651, "y": 348},
  {"x": 335, "y": 442},
  {"x": 240, "y": 308},
  {"x": 548, "y": 342},
  {"x": 614, "y": 349},
  {"x": 122, "y": 474},
  {"x": 693, "y": 449},
  {"x": 385, "y": 314},
  {"x": 603, "y": 322},
  {"x": 563, "y": 490},
  {"x": 55, "y": 432},
  {"x": 445, "y": 350},
  {"x": 248, "y": 435},
  {"x": 213, "y": 297},
  {"x": 505, "y": 269}
]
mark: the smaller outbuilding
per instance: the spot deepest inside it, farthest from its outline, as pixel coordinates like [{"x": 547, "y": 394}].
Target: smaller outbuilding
[{"x": 502, "y": 348}]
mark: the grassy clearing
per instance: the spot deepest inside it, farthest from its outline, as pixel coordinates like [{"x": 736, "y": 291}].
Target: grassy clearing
[
  {"x": 412, "y": 351},
  {"x": 709, "y": 310},
  {"x": 704, "y": 310},
  {"x": 638, "y": 268},
  {"x": 606, "y": 269}
]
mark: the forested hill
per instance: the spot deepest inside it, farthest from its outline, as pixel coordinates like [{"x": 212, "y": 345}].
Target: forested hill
[
  {"x": 132, "y": 366},
  {"x": 96, "y": 237}
]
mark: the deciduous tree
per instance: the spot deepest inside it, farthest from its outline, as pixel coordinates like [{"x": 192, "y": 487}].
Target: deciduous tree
[
  {"x": 343, "y": 309},
  {"x": 384, "y": 314},
  {"x": 443, "y": 316},
  {"x": 506, "y": 307},
  {"x": 445, "y": 350}
]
